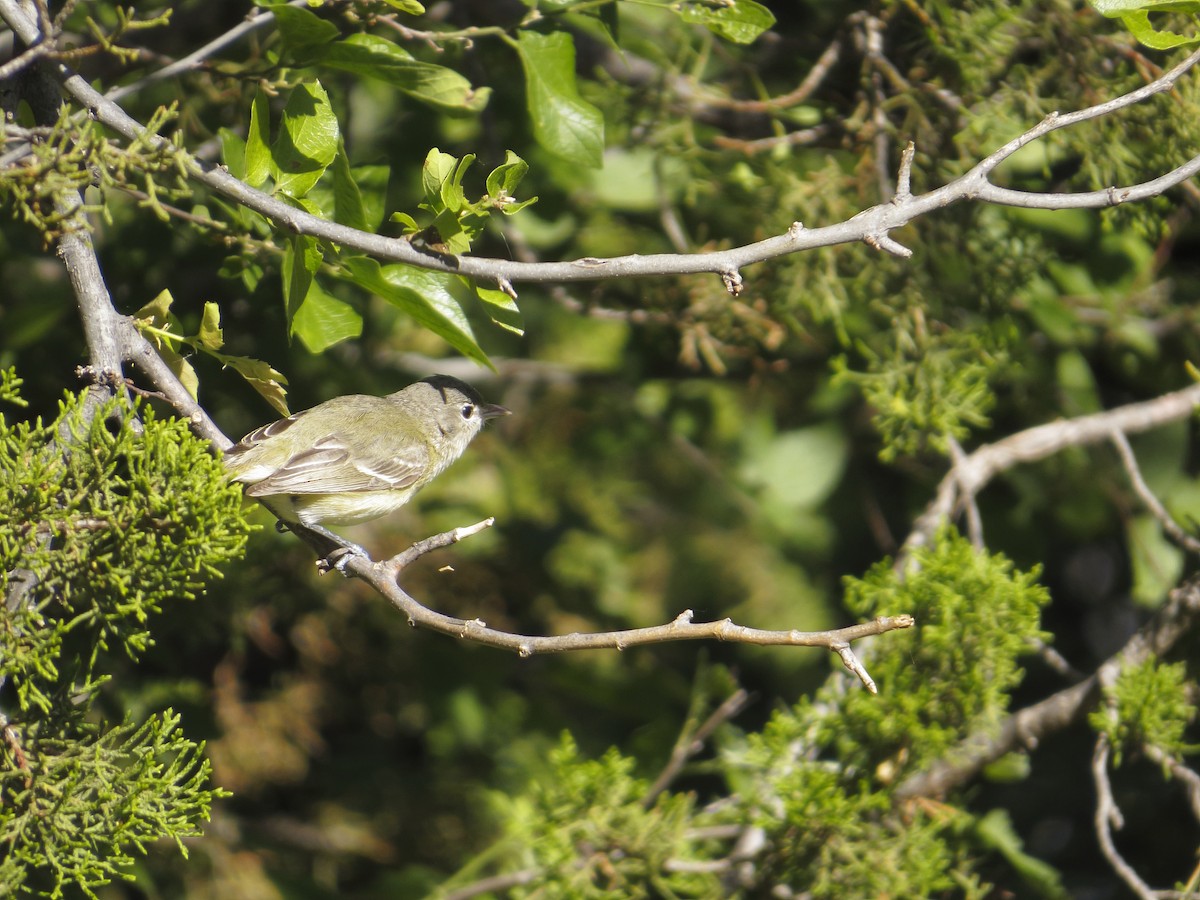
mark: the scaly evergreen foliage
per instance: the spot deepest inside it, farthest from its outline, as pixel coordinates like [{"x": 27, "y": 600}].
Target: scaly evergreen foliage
[{"x": 104, "y": 522}]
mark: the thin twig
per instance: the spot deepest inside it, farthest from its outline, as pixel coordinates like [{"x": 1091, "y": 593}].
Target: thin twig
[
  {"x": 1189, "y": 778},
  {"x": 691, "y": 742},
  {"x": 968, "y": 476},
  {"x": 1173, "y": 529},
  {"x": 1108, "y": 816},
  {"x": 382, "y": 576}
]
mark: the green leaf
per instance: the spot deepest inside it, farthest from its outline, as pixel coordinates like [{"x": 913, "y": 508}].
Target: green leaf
[
  {"x": 301, "y": 260},
  {"x": 453, "y": 196},
  {"x": 563, "y": 122},
  {"x": 409, "y": 223},
  {"x": 799, "y": 468},
  {"x": 158, "y": 311},
  {"x": 210, "y": 336},
  {"x": 303, "y": 32},
  {"x": 741, "y": 21},
  {"x": 375, "y": 57},
  {"x": 348, "y": 206},
  {"x": 233, "y": 153},
  {"x": 1135, "y": 15},
  {"x": 1140, "y": 26},
  {"x": 431, "y": 298},
  {"x": 1157, "y": 563},
  {"x": 995, "y": 830},
  {"x": 502, "y": 183},
  {"x": 412, "y": 7},
  {"x": 258, "y": 151},
  {"x": 307, "y": 141},
  {"x": 323, "y": 320},
  {"x": 437, "y": 171},
  {"x": 501, "y": 309},
  {"x": 262, "y": 377},
  {"x": 372, "y": 182}
]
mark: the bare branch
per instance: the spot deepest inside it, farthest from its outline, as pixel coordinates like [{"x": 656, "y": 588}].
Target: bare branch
[
  {"x": 690, "y": 742},
  {"x": 969, "y": 475},
  {"x": 197, "y": 58},
  {"x": 1189, "y": 778},
  {"x": 875, "y": 223},
  {"x": 1108, "y": 816},
  {"x": 382, "y": 576},
  {"x": 1026, "y": 728},
  {"x": 1173, "y": 529}
]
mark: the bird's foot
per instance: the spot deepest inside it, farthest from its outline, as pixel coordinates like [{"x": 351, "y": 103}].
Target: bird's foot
[{"x": 340, "y": 558}]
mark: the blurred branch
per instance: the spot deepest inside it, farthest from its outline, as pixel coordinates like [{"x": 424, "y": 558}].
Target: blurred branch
[
  {"x": 1173, "y": 529},
  {"x": 1025, "y": 729},
  {"x": 970, "y": 474},
  {"x": 691, "y": 741},
  {"x": 382, "y": 576},
  {"x": 1108, "y": 816},
  {"x": 872, "y": 225}
]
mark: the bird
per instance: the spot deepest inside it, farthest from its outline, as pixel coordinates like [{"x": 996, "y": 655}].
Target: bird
[{"x": 358, "y": 457}]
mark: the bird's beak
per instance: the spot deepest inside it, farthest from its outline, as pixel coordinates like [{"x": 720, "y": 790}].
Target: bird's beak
[{"x": 492, "y": 411}]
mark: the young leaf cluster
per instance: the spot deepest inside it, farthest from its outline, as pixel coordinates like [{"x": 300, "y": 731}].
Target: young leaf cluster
[
  {"x": 71, "y": 155},
  {"x": 160, "y": 326}
]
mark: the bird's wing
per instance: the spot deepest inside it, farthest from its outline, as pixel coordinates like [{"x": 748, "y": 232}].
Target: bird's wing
[{"x": 327, "y": 468}]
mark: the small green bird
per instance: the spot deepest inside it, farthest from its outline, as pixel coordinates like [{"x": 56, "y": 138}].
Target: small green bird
[{"x": 358, "y": 457}]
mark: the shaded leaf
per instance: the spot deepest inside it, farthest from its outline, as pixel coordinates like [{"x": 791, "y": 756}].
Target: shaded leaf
[
  {"x": 431, "y": 298},
  {"x": 323, "y": 320},
  {"x": 375, "y": 57}
]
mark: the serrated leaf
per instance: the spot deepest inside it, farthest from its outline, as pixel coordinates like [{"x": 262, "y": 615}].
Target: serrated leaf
[
  {"x": 263, "y": 377},
  {"x": 210, "y": 336},
  {"x": 428, "y": 297},
  {"x": 323, "y": 320},
  {"x": 376, "y": 57},
  {"x": 501, "y": 309},
  {"x": 563, "y": 122},
  {"x": 307, "y": 141},
  {"x": 1143, "y": 29},
  {"x": 258, "y": 150},
  {"x": 741, "y": 21}
]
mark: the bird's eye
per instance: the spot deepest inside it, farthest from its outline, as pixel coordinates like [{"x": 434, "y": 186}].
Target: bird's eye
[{"x": 468, "y": 410}]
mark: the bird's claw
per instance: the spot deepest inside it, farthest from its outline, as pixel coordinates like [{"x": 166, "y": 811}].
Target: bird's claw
[{"x": 340, "y": 558}]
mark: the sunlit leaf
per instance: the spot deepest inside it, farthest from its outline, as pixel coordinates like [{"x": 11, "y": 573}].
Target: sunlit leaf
[
  {"x": 563, "y": 122},
  {"x": 307, "y": 141}
]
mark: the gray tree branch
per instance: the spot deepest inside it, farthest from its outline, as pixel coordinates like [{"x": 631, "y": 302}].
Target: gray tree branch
[{"x": 872, "y": 225}]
